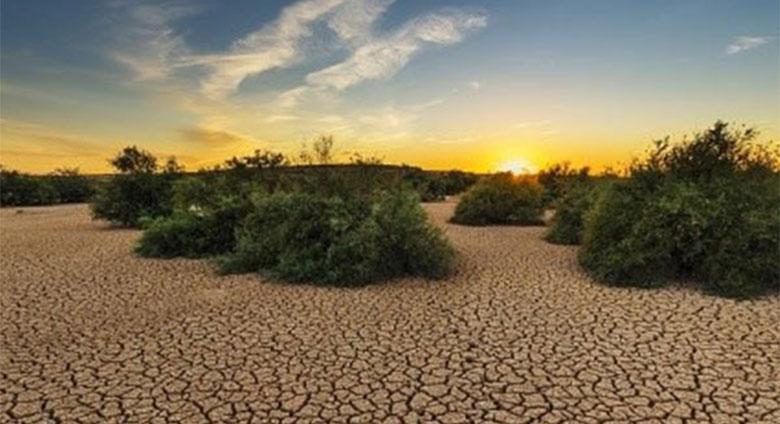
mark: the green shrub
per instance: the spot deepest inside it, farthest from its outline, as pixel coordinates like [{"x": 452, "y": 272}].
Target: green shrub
[
  {"x": 429, "y": 186},
  {"x": 137, "y": 191},
  {"x": 708, "y": 208},
  {"x": 570, "y": 209},
  {"x": 501, "y": 199},
  {"x": 71, "y": 186},
  {"x": 194, "y": 233},
  {"x": 456, "y": 182},
  {"x": 742, "y": 243},
  {"x": 328, "y": 239},
  {"x": 19, "y": 189},
  {"x": 556, "y": 178},
  {"x": 638, "y": 240},
  {"x": 126, "y": 198}
]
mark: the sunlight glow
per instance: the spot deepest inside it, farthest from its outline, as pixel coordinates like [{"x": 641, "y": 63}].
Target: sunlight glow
[{"x": 516, "y": 166}]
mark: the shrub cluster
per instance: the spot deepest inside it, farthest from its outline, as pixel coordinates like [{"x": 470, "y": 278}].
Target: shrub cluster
[
  {"x": 502, "y": 199},
  {"x": 141, "y": 189},
  {"x": 707, "y": 208},
  {"x": 557, "y": 178},
  {"x": 567, "y": 223},
  {"x": 334, "y": 240},
  {"x": 319, "y": 223},
  {"x": 194, "y": 233},
  {"x": 61, "y": 186}
]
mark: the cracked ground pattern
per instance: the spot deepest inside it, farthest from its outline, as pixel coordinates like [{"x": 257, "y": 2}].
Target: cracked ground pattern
[{"x": 93, "y": 334}]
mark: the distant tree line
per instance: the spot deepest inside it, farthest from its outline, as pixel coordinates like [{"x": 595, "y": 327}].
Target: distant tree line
[{"x": 64, "y": 185}]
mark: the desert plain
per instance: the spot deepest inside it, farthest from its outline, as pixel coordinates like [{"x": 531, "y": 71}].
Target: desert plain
[{"x": 90, "y": 333}]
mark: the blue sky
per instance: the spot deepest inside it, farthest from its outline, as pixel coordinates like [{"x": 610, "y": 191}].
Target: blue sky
[{"x": 469, "y": 84}]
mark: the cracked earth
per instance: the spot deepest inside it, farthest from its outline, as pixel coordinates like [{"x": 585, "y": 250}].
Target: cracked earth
[{"x": 92, "y": 334}]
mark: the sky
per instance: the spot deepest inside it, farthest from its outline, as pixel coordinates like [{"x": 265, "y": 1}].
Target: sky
[{"x": 478, "y": 85}]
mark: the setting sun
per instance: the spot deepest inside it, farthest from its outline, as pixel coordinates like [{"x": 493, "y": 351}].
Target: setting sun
[{"x": 516, "y": 166}]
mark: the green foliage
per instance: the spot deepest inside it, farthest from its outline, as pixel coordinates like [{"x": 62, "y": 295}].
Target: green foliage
[
  {"x": 456, "y": 182},
  {"x": 428, "y": 185},
  {"x": 194, "y": 233},
  {"x": 501, "y": 200},
  {"x": 18, "y": 189},
  {"x": 570, "y": 209},
  {"x": 62, "y": 186},
  {"x": 557, "y": 178},
  {"x": 333, "y": 240},
  {"x": 71, "y": 186},
  {"x": 708, "y": 208},
  {"x": 132, "y": 160},
  {"x": 126, "y": 198},
  {"x": 137, "y": 191}
]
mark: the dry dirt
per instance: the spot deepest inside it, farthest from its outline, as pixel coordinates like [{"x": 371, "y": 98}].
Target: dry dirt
[{"x": 91, "y": 333}]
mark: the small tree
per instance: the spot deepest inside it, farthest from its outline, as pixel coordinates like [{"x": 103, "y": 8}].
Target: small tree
[
  {"x": 136, "y": 191},
  {"x": 132, "y": 160}
]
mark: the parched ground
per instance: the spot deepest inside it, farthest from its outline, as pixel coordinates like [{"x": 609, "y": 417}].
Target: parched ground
[{"x": 91, "y": 333}]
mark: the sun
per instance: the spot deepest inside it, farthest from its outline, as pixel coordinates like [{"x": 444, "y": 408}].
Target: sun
[{"x": 516, "y": 167}]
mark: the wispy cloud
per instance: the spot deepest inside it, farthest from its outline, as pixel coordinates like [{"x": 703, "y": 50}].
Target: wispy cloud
[
  {"x": 150, "y": 45},
  {"x": 383, "y": 56},
  {"x": 280, "y": 43},
  {"x": 153, "y": 48},
  {"x": 745, "y": 43},
  {"x": 475, "y": 85}
]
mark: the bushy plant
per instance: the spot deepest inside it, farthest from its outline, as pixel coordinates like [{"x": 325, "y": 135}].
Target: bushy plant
[
  {"x": 194, "y": 233},
  {"x": 501, "y": 200},
  {"x": 567, "y": 222},
  {"x": 137, "y": 191},
  {"x": 125, "y": 199},
  {"x": 556, "y": 178},
  {"x": 19, "y": 189},
  {"x": 71, "y": 186},
  {"x": 456, "y": 182},
  {"x": 333, "y": 240},
  {"x": 707, "y": 208},
  {"x": 429, "y": 186}
]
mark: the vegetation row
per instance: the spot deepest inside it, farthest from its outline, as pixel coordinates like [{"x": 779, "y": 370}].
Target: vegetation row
[{"x": 339, "y": 225}]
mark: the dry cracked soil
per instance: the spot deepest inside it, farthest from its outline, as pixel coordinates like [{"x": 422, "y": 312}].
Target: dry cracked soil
[{"x": 93, "y": 334}]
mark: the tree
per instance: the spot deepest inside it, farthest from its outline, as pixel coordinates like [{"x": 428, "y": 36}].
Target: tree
[
  {"x": 132, "y": 160},
  {"x": 172, "y": 166},
  {"x": 261, "y": 159}
]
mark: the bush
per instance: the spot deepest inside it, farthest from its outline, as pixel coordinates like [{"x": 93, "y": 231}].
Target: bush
[
  {"x": 708, "y": 208},
  {"x": 18, "y": 189},
  {"x": 429, "y": 186},
  {"x": 456, "y": 182},
  {"x": 71, "y": 186},
  {"x": 501, "y": 199},
  {"x": 125, "y": 199},
  {"x": 567, "y": 223},
  {"x": 194, "y": 233},
  {"x": 331, "y": 240},
  {"x": 556, "y": 179},
  {"x": 138, "y": 191}
]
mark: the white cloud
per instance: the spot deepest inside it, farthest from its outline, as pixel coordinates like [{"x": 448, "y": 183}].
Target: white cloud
[
  {"x": 153, "y": 48},
  {"x": 475, "y": 85},
  {"x": 292, "y": 97},
  {"x": 149, "y": 45},
  {"x": 382, "y": 57},
  {"x": 280, "y": 44},
  {"x": 745, "y": 43}
]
